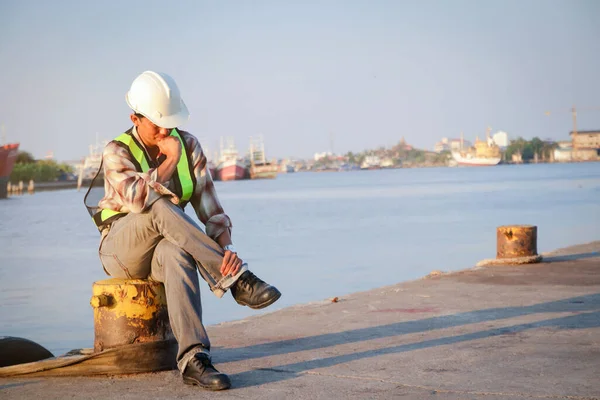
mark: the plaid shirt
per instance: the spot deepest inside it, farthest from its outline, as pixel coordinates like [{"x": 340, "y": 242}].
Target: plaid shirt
[{"x": 128, "y": 190}]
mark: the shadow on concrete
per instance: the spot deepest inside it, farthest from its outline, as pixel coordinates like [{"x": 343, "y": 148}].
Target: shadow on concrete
[
  {"x": 588, "y": 305},
  {"x": 571, "y": 257},
  {"x": 16, "y": 384},
  {"x": 575, "y": 304}
]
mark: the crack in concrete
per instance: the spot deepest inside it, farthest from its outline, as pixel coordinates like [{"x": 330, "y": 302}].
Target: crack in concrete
[{"x": 276, "y": 370}]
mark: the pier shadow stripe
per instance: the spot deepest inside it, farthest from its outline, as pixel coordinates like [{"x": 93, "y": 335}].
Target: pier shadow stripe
[
  {"x": 574, "y": 304},
  {"x": 17, "y": 384},
  {"x": 570, "y": 257},
  {"x": 262, "y": 376}
]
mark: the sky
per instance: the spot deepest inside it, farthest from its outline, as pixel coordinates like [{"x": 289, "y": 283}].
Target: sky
[{"x": 309, "y": 76}]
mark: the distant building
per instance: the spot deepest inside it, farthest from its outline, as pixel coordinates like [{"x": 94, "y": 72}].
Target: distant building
[
  {"x": 501, "y": 139},
  {"x": 455, "y": 144},
  {"x": 517, "y": 158},
  {"x": 387, "y": 162},
  {"x": 441, "y": 146},
  {"x": 564, "y": 144},
  {"x": 450, "y": 145},
  {"x": 325, "y": 154},
  {"x": 586, "y": 145},
  {"x": 402, "y": 145},
  {"x": 585, "y": 139},
  {"x": 371, "y": 162},
  {"x": 563, "y": 154},
  {"x": 586, "y": 154}
]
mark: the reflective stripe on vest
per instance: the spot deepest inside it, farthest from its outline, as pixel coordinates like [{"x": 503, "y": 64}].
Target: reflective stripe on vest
[
  {"x": 106, "y": 214},
  {"x": 183, "y": 172},
  {"x": 135, "y": 150}
]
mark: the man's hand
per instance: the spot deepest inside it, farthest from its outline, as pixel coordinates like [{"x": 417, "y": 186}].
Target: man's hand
[
  {"x": 231, "y": 263},
  {"x": 170, "y": 147}
]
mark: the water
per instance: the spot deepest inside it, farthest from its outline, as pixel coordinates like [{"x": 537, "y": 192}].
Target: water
[{"x": 313, "y": 235}]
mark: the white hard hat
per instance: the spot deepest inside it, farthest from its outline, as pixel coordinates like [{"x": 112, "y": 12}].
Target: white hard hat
[{"x": 156, "y": 96}]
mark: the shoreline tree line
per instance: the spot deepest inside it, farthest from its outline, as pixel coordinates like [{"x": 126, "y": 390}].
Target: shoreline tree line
[{"x": 28, "y": 168}]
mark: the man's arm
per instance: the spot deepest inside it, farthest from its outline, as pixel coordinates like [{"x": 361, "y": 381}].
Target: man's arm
[
  {"x": 204, "y": 199},
  {"x": 135, "y": 191},
  {"x": 208, "y": 208}
]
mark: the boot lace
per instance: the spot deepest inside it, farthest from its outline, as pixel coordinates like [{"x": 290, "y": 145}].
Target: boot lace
[
  {"x": 202, "y": 362},
  {"x": 248, "y": 280}
]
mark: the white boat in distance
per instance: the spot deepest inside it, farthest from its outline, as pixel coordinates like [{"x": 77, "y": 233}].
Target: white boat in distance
[
  {"x": 483, "y": 153},
  {"x": 469, "y": 159}
]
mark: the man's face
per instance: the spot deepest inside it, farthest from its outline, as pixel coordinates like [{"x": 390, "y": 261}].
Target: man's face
[{"x": 149, "y": 133}]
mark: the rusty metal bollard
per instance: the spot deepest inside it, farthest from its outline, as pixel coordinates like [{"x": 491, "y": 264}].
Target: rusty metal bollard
[
  {"x": 515, "y": 245},
  {"x": 516, "y": 241},
  {"x": 128, "y": 312}
]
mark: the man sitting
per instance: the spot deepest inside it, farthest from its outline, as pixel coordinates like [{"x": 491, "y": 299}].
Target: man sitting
[{"x": 151, "y": 172}]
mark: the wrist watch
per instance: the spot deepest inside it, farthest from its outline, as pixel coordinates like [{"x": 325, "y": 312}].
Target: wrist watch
[{"x": 230, "y": 247}]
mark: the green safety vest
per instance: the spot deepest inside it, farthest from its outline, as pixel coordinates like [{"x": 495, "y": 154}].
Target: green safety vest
[{"x": 183, "y": 179}]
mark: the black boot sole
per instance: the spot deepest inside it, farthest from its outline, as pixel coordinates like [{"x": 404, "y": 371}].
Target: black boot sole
[
  {"x": 262, "y": 305},
  {"x": 194, "y": 382}
]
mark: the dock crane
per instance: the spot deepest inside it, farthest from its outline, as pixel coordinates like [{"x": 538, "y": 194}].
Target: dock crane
[{"x": 573, "y": 112}]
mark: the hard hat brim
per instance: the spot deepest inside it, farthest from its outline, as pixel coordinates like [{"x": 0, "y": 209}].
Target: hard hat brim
[{"x": 167, "y": 121}]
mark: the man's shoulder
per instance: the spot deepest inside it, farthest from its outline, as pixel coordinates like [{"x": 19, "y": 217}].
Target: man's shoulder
[
  {"x": 191, "y": 141},
  {"x": 116, "y": 140},
  {"x": 188, "y": 137},
  {"x": 119, "y": 135},
  {"x": 115, "y": 148}
]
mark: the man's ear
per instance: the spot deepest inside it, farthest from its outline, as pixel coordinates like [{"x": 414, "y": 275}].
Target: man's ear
[{"x": 134, "y": 119}]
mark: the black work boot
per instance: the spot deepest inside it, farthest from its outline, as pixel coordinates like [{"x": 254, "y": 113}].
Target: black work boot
[
  {"x": 201, "y": 372},
  {"x": 250, "y": 291}
]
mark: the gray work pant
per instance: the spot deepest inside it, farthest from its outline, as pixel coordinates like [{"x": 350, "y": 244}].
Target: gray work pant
[{"x": 164, "y": 244}]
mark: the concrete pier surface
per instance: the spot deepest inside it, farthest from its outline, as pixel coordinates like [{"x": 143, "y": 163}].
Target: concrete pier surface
[{"x": 502, "y": 332}]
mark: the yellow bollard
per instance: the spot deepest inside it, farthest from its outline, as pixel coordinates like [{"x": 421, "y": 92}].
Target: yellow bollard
[
  {"x": 131, "y": 335},
  {"x": 129, "y": 311},
  {"x": 31, "y": 187}
]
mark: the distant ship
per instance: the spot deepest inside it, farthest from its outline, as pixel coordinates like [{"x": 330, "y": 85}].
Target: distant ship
[
  {"x": 483, "y": 153},
  {"x": 286, "y": 168},
  {"x": 212, "y": 168},
  {"x": 371, "y": 162},
  {"x": 210, "y": 165},
  {"x": 89, "y": 172},
  {"x": 230, "y": 168},
  {"x": 259, "y": 167},
  {"x": 8, "y": 156}
]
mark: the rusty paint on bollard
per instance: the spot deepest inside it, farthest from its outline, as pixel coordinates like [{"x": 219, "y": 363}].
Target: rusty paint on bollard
[
  {"x": 514, "y": 241},
  {"x": 515, "y": 245},
  {"x": 129, "y": 311}
]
